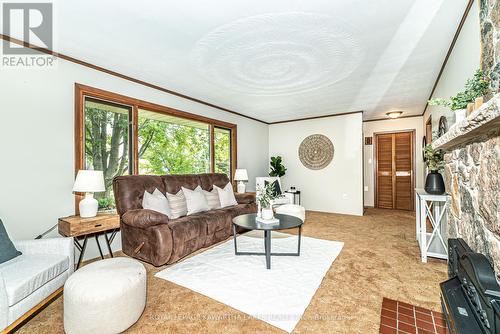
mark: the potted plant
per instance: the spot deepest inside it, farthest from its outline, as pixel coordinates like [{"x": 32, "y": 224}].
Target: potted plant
[
  {"x": 475, "y": 87},
  {"x": 277, "y": 168},
  {"x": 265, "y": 196},
  {"x": 434, "y": 183}
]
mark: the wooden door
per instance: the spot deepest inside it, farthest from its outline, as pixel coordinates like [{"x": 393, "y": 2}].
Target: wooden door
[
  {"x": 394, "y": 170},
  {"x": 384, "y": 187}
]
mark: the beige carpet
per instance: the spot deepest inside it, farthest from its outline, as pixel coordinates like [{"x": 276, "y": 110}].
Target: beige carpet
[{"x": 380, "y": 259}]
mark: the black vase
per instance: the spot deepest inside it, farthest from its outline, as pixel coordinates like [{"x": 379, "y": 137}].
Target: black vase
[{"x": 434, "y": 183}]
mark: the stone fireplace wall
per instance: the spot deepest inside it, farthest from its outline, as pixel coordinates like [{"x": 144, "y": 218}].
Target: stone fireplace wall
[
  {"x": 472, "y": 176},
  {"x": 489, "y": 15}
]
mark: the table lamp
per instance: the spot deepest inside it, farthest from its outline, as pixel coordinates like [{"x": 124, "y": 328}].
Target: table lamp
[
  {"x": 89, "y": 182},
  {"x": 241, "y": 175}
]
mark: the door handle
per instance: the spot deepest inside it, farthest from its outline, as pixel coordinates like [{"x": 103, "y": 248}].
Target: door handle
[{"x": 403, "y": 173}]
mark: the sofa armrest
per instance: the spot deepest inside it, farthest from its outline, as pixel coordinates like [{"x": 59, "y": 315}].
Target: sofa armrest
[
  {"x": 61, "y": 246},
  {"x": 245, "y": 198},
  {"x": 4, "y": 305},
  {"x": 143, "y": 218}
]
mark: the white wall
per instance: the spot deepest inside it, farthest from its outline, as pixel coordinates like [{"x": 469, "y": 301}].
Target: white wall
[
  {"x": 336, "y": 188},
  {"x": 464, "y": 60},
  {"x": 37, "y": 141},
  {"x": 369, "y": 128}
]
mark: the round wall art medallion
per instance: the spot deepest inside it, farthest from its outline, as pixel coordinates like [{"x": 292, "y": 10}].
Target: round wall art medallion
[{"x": 316, "y": 151}]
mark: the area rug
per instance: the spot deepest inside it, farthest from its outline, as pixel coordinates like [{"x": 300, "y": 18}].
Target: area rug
[
  {"x": 278, "y": 296},
  {"x": 402, "y": 318}
]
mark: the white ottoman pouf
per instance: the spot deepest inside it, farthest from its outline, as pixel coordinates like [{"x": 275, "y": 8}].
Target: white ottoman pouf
[
  {"x": 292, "y": 210},
  {"x": 106, "y": 296}
]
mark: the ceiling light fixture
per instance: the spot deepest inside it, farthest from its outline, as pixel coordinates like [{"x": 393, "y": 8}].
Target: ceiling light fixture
[{"x": 394, "y": 114}]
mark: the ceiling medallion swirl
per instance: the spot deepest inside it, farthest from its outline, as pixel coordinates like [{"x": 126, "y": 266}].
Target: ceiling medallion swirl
[
  {"x": 279, "y": 53},
  {"x": 316, "y": 152}
]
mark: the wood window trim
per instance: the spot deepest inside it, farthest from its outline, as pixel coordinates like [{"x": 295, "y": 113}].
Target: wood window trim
[
  {"x": 375, "y": 163},
  {"x": 82, "y": 91}
]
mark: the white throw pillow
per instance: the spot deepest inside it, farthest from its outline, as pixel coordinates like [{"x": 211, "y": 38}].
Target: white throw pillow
[
  {"x": 156, "y": 202},
  {"x": 226, "y": 195},
  {"x": 177, "y": 204},
  {"x": 212, "y": 198},
  {"x": 195, "y": 200}
]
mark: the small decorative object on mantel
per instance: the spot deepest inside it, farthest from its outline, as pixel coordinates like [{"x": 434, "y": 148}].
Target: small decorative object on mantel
[
  {"x": 475, "y": 88},
  {"x": 316, "y": 152},
  {"x": 265, "y": 197},
  {"x": 478, "y": 102},
  {"x": 443, "y": 126},
  {"x": 434, "y": 183}
]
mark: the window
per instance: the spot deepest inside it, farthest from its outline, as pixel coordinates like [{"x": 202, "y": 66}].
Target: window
[
  {"x": 121, "y": 135},
  {"x": 172, "y": 145},
  {"x": 106, "y": 144},
  {"x": 222, "y": 151}
]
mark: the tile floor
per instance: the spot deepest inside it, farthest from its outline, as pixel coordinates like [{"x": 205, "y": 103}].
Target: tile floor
[{"x": 402, "y": 318}]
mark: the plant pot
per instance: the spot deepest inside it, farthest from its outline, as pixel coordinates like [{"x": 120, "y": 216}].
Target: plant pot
[
  {"x": 267, "y": 213},
  {"x": 470, "y": 109},
  {"x": 434, "y": 183},
  {"x": 460, "y": 115},
  {"x": 478, "y": 102}
]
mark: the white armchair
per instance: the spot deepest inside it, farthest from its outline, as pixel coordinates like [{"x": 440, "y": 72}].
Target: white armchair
[
  {"x": 30, "y": 280},
  {"x": 285, "y": 198}
]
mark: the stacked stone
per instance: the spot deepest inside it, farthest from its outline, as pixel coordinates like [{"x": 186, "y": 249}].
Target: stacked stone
[{"x": 489, "y": 14}]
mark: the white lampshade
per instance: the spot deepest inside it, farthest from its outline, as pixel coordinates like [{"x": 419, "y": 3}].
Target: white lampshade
[
  {"x": 241, "y": 175},
  {"x": 89, "y": 181}
]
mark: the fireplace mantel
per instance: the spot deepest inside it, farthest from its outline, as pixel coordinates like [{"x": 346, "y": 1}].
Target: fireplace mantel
[{"x": 481, "y": 123}]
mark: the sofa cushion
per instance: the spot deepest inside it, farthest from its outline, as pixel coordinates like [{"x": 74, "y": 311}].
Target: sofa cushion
[
  {"x": 156, "y": 201},
  {"x": 216, "y": 220},
  {"x": 226, "y": 195},
  {"x": 129, "y": 190},
  {"x": 173, "y": 183},
  {"x": 195, "y": 200},
  {"x": 24, "y": 274},
  {"x": 7, "y": 249},
  {"x": 212, "y": 198},
  {"x": 178, "y": 204},
  {"x": 245, "y": 198},
  {"x": 240, "y": 209},
  {"x": 209, "y": 180},
  {"x": 187, "y": 228},
  {"x": 188, "y": 235}
]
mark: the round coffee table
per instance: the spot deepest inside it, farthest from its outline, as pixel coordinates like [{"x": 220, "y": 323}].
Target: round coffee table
[{"x": 285, "y": 222}]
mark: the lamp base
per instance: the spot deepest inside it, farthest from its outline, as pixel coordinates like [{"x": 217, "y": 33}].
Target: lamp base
[
  {"x": 241, "y": 187},
  {"x": 88, "y": 206}
]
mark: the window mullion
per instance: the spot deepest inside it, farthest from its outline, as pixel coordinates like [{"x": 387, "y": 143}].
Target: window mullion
[{"x": 212, "y": 149}]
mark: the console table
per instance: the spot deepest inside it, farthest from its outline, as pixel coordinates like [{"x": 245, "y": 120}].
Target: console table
[{"x": 433, "y": 208}]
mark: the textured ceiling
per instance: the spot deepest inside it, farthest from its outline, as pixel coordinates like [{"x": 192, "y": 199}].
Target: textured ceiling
[{"x": 272, "y": 60}]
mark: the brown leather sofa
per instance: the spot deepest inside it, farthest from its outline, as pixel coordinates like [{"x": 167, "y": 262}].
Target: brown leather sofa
[{"x": 152, "y": 237}]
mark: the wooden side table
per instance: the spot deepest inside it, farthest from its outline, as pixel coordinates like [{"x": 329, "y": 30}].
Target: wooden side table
[{"x": 103, "y": 223}]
